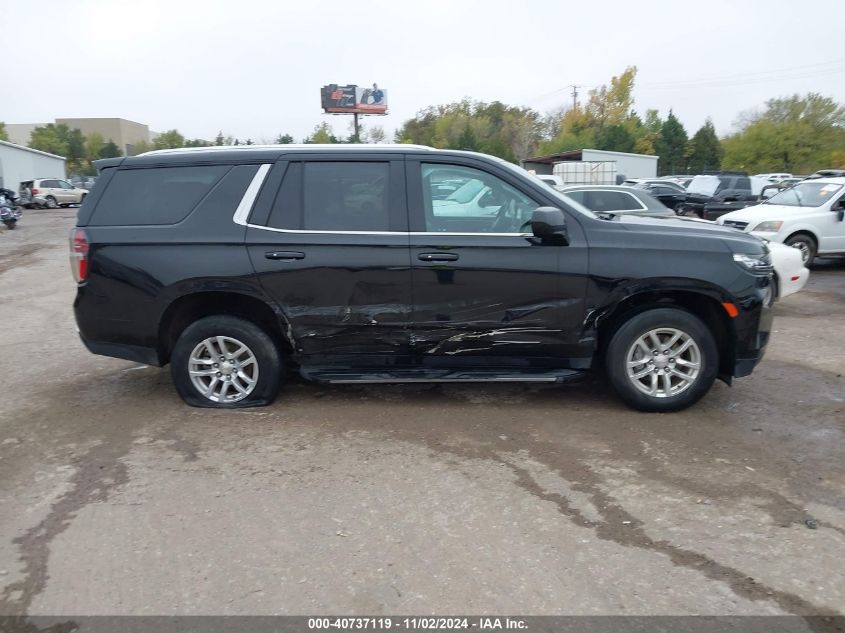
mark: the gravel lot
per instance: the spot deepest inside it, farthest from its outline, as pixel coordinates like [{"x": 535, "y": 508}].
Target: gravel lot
[{"x": 115, "y": 498}]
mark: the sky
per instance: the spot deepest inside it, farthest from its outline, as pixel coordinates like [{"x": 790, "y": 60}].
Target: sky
[{"x": 254, "y": 68}]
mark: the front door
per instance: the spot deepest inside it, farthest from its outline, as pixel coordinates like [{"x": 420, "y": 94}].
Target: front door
[
  {"x": 486, "y": 292},
  {"x": 331, "y": 248}
]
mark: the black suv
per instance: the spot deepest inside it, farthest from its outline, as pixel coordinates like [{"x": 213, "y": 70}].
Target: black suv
[{"x": 346, "y": 263}]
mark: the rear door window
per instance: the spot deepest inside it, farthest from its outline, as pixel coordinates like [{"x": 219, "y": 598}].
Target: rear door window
[
  {"x": 334, "y": 196},
  {"x": 164, "y": 195}
]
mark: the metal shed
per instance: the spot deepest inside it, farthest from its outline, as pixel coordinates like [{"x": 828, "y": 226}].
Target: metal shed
[{"x": 19, "y": 163}]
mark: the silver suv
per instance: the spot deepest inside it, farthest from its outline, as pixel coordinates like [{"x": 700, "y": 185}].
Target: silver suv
[{"x": 50, "y": 193}]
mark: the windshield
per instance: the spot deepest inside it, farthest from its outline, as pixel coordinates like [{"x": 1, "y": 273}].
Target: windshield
[
  {"x": 805, "y": 194},
  {"x": 465, "y": 192},
  {"x": 703, "y": 185}
]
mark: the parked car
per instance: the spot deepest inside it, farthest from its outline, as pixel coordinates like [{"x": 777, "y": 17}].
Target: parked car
[
  {"x": 680, "y": 179},
  {"x": 808, "y": 216},
  {"x": 617, "y": 199},
  {"x": 245, "y": 262},
  {"x": 790, "y": 274},
  {"x": 50, "y": 193},
  {"x": 776, "y": 177},
  {"x": 828, "y": 173},
  {"x": 710, "y": 196},
  {"x": 670, "y": 194},
  {"x": 550, "y": 179}
]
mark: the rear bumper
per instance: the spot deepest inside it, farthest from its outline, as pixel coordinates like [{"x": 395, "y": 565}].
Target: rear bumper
[{"x": 145, "y": 355}]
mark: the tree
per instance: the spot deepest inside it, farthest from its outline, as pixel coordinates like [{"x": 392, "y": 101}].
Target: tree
[
  {"x": 509, "y": 132},
  {"x": 61, "y": 140},
  {"x": 4, "y": 136},
  {"x": 110, "y": 150},
  {"x": 671, "y": 145},
  {"x": 375, "y": 134},
  {"x": 197, "y": 142},
  {"x": 142, "y": 146},
  {"x": 704, "y": 151},
  {"x": 284, "y": 139},
  {"x": 171, "y": 139},
  {"x": 94, "y": 144},
  {"x": 795, "y": 134},
  {"x": 606, "y": 121},
  {"x": 220, "y": 140},
  {"x": 323, "y": 133}
]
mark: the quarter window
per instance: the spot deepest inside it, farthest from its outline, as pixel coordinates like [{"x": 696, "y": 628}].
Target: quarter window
[
  {"x": 477, "y": 202},
  {"x": 155, "y": 196}
]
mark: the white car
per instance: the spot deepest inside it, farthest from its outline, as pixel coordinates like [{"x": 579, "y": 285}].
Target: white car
[
  {"x": 790, "y": 273},
  {"x": 809, "y": 216}
]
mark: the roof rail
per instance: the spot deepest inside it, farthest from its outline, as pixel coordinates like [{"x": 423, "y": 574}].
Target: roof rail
[{"x": 312, "y": 146}]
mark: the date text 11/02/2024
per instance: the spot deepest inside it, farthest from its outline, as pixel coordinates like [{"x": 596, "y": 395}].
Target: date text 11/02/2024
[{"x": 426, "y": 623}]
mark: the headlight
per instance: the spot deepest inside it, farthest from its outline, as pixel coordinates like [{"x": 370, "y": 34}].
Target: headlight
[
  {"x": 771, "y": 226},
  {"x": 754, "y": 263}
]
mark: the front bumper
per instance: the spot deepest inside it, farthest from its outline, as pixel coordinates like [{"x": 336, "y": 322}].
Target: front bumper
[{"x": 753, "y": 327}]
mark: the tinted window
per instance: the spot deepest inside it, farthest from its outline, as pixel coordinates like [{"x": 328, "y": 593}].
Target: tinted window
[
  {"x": 601, "y": 201},
  {"x": 481, "y": 203},
  {"x": 155, "y": 196},
  {"x": 345, "y": 196},
  {"x": 49, "y": 184},
  {"x": 578, "y": 196},
  {"x": 664, "y": 191},
  {"x": 743, "y": 183}
]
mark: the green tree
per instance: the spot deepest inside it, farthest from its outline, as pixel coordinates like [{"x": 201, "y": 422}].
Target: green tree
[
  {"x": 48, "y": 138},
  {"x": 704, "y": 151},
  {"x": 284, "y": 139},
  {"x": 197, "y": 142},
  {"x": 671, "y": 146},
  {"x": 509, "y": 132},
  {"x": 323, "y": 133},
  {"x": 94, "y": 144},
  {"x": 615, "y": 138},
  {"x": 141, "y": 147},
  {"x": 4, "y": 136},
  {"x": 795, "y": 134},
  {"x": 171, "y": 139},
  {"x": 110, "y": 150},
  {"x": 220, "y": 139}
]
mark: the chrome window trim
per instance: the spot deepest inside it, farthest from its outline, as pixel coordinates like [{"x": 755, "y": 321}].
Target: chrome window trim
[
  {"x": 248, "y": 199},
  {"x": 416, "y": 233}
]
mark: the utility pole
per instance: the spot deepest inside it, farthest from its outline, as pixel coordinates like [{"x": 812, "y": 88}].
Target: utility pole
[
  {"x": 575, "y": 96},
  {"x": 357, "y": 128}
]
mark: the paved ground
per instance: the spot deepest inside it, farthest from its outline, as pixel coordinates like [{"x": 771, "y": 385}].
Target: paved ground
[{"x": 117, "y": 499}]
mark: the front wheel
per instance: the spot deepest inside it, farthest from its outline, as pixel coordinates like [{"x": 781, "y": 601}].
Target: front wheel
[
  {"x": 225, "y": 362},
  {"x": 664, "y": 359},
  {"x": 806, "y": 245}
]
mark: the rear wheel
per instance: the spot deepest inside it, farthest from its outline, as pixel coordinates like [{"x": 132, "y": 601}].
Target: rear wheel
[
  {"x": 51, "y": 202},
  {"x": 663, "y": 359},
  {"x": 805, "y": 244},
  {"x": 225, "y": 362}
]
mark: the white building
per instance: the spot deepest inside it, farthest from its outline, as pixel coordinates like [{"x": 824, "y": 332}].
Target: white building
[
  {"x": 627, "y": 165},
  {"x": 19, "y": 163}
]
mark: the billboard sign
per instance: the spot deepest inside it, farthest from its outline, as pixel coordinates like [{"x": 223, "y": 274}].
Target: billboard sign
[{"x": 353, "y": 99}]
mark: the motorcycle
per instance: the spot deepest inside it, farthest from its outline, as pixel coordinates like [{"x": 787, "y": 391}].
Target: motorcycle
[{"x": 9, "y": 214}]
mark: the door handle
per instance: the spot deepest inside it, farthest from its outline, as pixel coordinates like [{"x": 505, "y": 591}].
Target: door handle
[
  {"x": 438, "y": 257},
  {"x": 284, "y": 255}
]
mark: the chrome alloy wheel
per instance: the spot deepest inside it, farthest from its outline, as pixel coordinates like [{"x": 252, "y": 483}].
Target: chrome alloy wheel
[
  {"x": 663, "y": 362},
  {"x": 223, "y": 369}
]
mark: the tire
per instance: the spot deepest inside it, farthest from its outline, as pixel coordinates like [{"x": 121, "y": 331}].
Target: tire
[
  {"x": 775, "y": 286},
  {"x": 806, "y": 244},
  {"x": 10, "y": 224},
  {"x": 82, "y": 199},
  {"x": 687, "y": 384},
  {"x": 51, "y": 202},
  {"x": 265, "y": 370}
]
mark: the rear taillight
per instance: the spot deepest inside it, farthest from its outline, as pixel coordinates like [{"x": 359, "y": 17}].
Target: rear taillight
[
  {"x": 34, "y": 192},
  {"x": 79, "y": 254}
]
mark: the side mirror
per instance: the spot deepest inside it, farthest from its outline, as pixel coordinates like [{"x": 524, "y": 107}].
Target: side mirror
[
  {"x": 549, "y": 223},
  {"x": 841, "y": 215}
]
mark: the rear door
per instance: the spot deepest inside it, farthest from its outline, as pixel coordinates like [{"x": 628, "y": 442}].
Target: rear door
[
  {"x": 329, "y": 241},
  {"x": 486, "y": 292}
]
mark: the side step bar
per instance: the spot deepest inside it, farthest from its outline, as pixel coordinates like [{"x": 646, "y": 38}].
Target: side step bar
[{"x": 348, "y": 376}]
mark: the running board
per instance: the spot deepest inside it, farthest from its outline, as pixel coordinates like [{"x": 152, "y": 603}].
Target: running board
[{"x": 342, "y": 377}]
